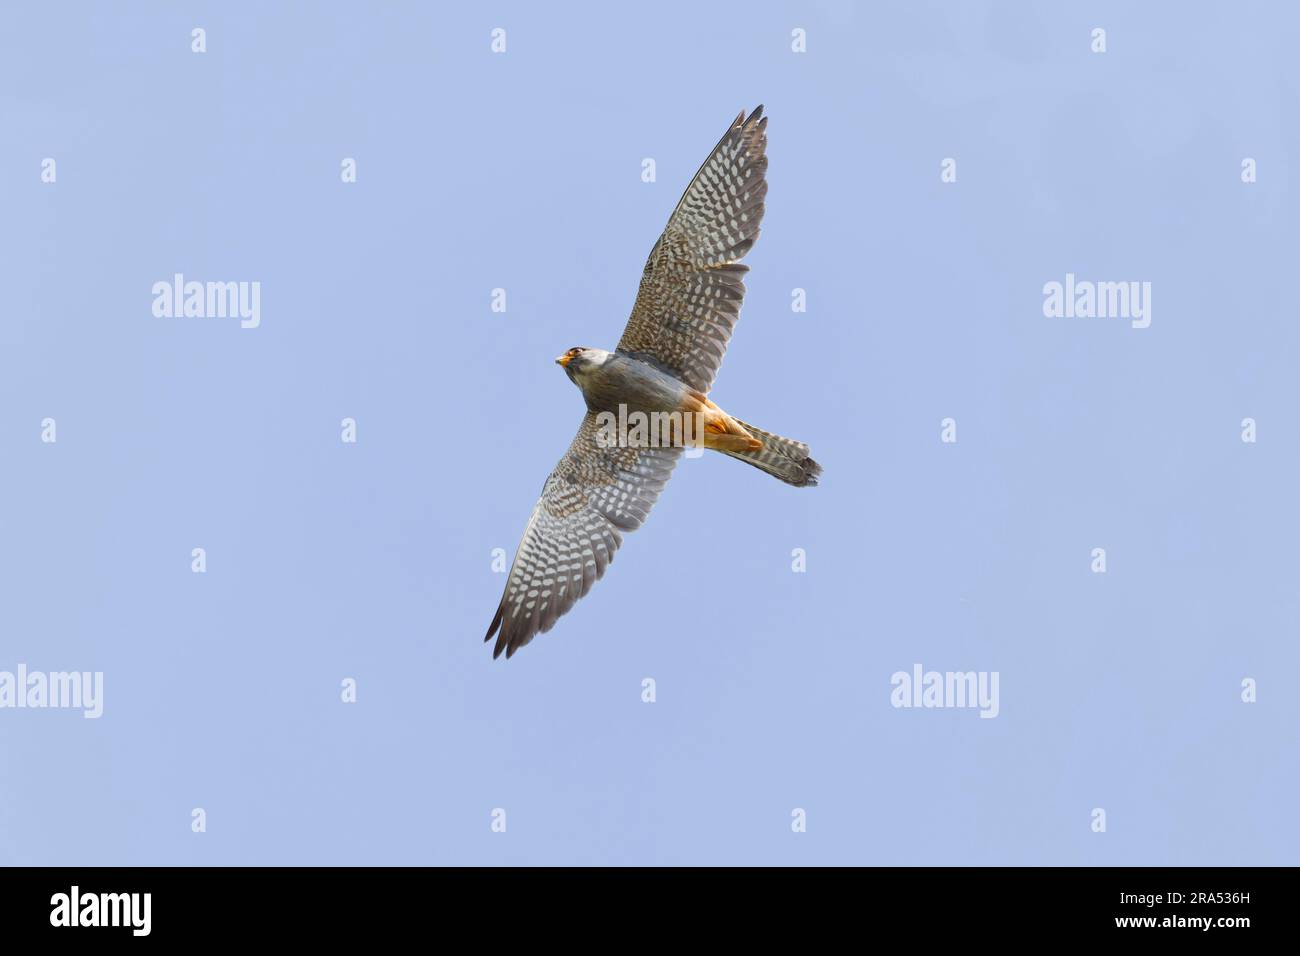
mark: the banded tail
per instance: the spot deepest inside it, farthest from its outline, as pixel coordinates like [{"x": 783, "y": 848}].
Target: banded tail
[{"x": 780, "y": 457}]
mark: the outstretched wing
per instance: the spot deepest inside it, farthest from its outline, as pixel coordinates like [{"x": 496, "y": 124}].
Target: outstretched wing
[
  {"x": 594, "y": 494},
  {"x": 692, "y": 285}
]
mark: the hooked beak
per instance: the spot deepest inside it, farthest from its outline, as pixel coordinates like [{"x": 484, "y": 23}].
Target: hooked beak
[{"x": 563, "y": 360}]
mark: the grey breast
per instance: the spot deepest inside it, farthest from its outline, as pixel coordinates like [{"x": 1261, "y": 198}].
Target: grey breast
[{"x": 628, "y": 381}]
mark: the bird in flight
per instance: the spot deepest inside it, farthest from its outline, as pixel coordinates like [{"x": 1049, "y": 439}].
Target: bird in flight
[{"x": 664, "y": 364}]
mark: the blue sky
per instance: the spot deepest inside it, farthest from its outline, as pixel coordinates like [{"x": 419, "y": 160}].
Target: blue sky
[{"x": 372, "y": 560}]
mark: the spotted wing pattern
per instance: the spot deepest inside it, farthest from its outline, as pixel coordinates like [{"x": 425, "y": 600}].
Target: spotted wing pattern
[
  {"x": 692, "y": 285},
  {"x": 594, "y": 494}
]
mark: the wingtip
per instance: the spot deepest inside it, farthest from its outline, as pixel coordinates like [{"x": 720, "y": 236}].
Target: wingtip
[
  {"x": 501, "y": 645},
  {"x": 496, "y": 622}
]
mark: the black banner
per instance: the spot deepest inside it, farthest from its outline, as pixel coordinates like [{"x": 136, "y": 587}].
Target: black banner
[{"x": 335, "y": 905}]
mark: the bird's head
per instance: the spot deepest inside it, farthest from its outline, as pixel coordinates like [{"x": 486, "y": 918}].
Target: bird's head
[{"x": 579, "y": 360}]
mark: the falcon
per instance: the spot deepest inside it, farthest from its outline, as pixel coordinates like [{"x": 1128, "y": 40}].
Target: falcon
[{"x": 662, "y": 368}]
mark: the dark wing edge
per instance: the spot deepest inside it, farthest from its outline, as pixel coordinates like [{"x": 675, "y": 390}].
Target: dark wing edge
[
  {"x": 692, "y": 285},
  {"x": 593, "y": 496}
]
